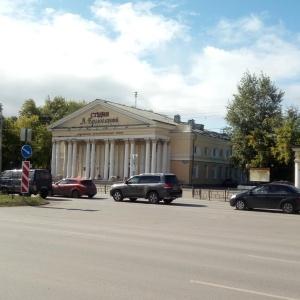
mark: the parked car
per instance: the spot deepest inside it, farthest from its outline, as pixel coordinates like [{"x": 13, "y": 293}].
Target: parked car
[
  {"x": 154, "y": 187},
  {"x": 74, "y": 187},
  {"x": 271, "y": 196},
  {"x": 229, "y": 182},
  {"x": 40, "y": 182}
]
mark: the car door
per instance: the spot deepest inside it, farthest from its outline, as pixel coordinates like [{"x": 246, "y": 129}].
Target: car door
[
  {"x": 258, "y": 197},
  {"x": 130, "y": 190},
  {"x": 276, "y": 194},
  {"x": 60, "y": 187}
]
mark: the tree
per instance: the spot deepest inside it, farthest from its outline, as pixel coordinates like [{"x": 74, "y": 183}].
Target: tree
[
  {"x": 29, "y": 109},
  {"x": 58, "y": 108},
  {"x": 11, "y": 144},
  {"x": 287, "y": 135},
  {"x": 37, "y": 119},
  {"x": 253, "y": 116}
]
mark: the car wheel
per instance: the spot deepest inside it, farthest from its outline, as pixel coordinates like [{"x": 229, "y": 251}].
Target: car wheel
[
  {"x": 168, "y": 201},
  {"x": 240, "y": 204},
  {"x": 132, "y": 199},
  {"x": 75, "y": 194},
  {"x": 91, "y": 196},
  {"x": 288, "y": 207},
  {"x": 44, "y": 195},
  {"x": 153, "y": 198},
  {"x": 117, "y": 195}
]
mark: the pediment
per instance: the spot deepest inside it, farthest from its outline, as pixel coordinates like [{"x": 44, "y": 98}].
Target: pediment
[{"x": 99, "y": 113}]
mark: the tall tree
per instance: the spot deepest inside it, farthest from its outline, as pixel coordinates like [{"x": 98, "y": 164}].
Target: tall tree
[
  {"x": 287, "y": 135},
  {"x": 37, "y": 119},
  {"x": 29, "y": 109},
  {"x": 253, "y": 115},
  {"x": 11, "y": 144},
  {"x": 59, "y": 107}
]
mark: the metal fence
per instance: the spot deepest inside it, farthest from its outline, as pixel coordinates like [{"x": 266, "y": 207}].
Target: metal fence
[{"x": 215, "y": 194}]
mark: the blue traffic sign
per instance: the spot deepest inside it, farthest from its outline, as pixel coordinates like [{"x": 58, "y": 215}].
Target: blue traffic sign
[{"x": 26, "y": 151}]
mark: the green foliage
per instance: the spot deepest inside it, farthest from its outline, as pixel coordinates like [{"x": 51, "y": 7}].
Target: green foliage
[
  {"x": 253, "y": 116},
  {"x": 286, "y": 136},
  {"x": 37, "y": 119}
]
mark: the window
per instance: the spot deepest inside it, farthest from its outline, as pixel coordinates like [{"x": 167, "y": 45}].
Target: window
[
  {"x": 214, "y": 172},
  {"x": 197, "y": 150},
  {"x": 134, "y": 179},
  {"x": 215, "y": 152},
  {"x": 206, "y": 151},
  {"x": 196, "y": 171}
]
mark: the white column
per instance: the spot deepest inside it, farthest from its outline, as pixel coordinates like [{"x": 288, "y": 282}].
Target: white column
[
  {"x": 297, "y": 170},
  {"x": 97, "y": 160},
  {"x": 87, "y": 159},
  {"x": 80, "y": 162},
  {"x": 142, "y": 158},
  {"x": 102, "y": 159},
  {"x": 57, "y": 167},
  {"x": 69, "y": 166},
  {"x": 153, "y": 161},
  {"x": 165, "y": 157},
  {"x": 74, "y": 158},
  {"x": 158, "y": 160},
  {"x": 116, "y": 160},
  {"x": 106, "y": 160},
  {"x": 65, "y": 159},
  {"x": 53, "y": 163},
  {"x": 131, "y": 157},
  {"x": 121, "y": 160},
  {"x": 126, "y": 161},
  {"x": 112, "y": 159},
  {"x": 147, "y": 156},
  {"x": 93, "y": 152}
]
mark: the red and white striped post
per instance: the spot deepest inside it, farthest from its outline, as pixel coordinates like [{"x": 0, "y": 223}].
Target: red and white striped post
[{"x": 25, "y": 177}]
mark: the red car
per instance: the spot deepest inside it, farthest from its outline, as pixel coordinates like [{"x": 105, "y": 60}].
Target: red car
[{"x": 74, "y": 187}]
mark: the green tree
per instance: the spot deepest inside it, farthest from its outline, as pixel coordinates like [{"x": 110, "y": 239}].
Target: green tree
[
  {"x": 29, "y": 109},
  {"x": 253, "y": 115},
  {"x": 37, "y": 119},
  {"x": 11, "y": 144},
  {"x": 287, "y": 135},
  {"x": 59, "y": 107}
]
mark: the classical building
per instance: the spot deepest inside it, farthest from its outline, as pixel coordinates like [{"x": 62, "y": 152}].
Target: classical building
[{"x": 110, "y": 141}]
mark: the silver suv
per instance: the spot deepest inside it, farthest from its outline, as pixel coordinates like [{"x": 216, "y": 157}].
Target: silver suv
[{"x": 154, "y": 187}]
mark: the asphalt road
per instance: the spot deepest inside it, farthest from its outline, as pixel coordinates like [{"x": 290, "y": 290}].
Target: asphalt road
[{"x": 191, "y": 249}]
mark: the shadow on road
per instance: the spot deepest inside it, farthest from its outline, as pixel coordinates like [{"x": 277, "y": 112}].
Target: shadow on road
[
  {"x": 164, "y": 204},
  {"x": 76, "y": 209}
]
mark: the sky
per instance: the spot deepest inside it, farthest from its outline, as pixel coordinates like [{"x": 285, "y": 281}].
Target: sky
[{"x": 181, "y": 57}]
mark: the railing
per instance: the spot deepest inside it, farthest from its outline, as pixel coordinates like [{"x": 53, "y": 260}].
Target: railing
[{"x": 215, "y": 194}]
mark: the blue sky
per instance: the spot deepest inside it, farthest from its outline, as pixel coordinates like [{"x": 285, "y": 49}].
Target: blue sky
[{"x": 181, "y": 57}]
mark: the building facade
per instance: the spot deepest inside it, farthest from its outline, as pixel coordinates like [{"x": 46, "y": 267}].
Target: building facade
[{"x": 110, "y": 141}]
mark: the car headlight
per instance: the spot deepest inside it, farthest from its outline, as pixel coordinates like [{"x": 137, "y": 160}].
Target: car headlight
[{"x": 233, "y": 196}]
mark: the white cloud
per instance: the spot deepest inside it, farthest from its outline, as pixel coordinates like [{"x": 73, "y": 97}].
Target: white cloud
[{"x": 128, "y": 48}]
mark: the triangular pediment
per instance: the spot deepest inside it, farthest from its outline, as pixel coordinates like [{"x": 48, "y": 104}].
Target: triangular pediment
[{"x": 103, "y": 113}]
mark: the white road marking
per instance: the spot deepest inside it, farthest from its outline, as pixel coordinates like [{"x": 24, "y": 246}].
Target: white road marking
[
  {"x": 242, "y": 290},
  {"x": 277, "y": 259}
]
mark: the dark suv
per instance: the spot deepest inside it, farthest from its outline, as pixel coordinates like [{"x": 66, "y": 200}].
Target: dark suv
[
  {"x": 154, "y": 187},
  {"x": 40, "y": 182}
]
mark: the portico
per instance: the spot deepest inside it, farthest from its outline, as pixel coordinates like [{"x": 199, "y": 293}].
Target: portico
[{"x": 109, "y": 157}]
